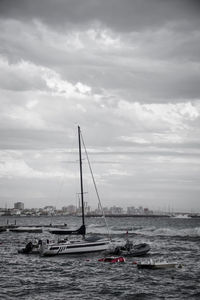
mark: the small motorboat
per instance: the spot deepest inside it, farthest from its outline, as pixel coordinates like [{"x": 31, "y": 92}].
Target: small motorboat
[
  {"x": 112, "y": 259},
  {"x": 136, "y": 250},
  {"x": 151, "y": 264},
  {"x": 31, "y": 248},
  {"x": 128, "y": 249}
]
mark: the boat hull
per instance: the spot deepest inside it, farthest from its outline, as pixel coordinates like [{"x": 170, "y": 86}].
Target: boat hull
[
  {"x": 62, "y": 231},
  {"x": 35, "y": 250},
  {"x": 26, "y": 229},
  {"x": 137, "y": 250},
  {"x": 156, "y": 265},
  {"x": 112, "y": 259},
  {"x": 74, "y": 248},
  {"x": 134, "y": 251}
]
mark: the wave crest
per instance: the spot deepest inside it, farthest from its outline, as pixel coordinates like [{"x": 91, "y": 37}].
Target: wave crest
[{"x": 191, "y": 232}]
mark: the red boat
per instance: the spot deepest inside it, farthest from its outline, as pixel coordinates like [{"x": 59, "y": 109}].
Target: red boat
[{"x": 112, "y": 259}]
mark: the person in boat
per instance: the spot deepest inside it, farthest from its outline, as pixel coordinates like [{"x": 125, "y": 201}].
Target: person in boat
[
  {"x": 28, "y": 247},
  {"x": 129, "y": 245}
]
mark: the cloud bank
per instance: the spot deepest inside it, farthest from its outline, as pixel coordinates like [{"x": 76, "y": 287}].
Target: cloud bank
[{"x": 127, "y": 72}]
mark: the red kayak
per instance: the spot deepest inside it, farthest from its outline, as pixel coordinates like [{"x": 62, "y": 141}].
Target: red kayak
[{"x": 112, "y": 259}]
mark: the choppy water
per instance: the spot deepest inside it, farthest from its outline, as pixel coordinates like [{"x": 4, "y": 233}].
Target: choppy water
[{"x": 84, "y": 277}]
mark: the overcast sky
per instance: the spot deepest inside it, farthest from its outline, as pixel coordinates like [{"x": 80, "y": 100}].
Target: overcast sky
[{"x": 128, "y": 72}]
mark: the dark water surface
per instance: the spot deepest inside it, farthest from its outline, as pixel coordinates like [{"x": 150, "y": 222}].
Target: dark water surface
[{"x": 84, "y": 277}]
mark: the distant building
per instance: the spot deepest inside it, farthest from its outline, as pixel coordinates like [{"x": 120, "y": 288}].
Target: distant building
[
  {"x": 50, "y": 207},
  {"x": 116, "y": 210},
  {"x": 131, "y": 210},
  {"x": 64, "y": 209},
  {"x": 71, "y": 209},
  {"x": 19, "y": 205},
  {"x": 49, "y": 210}
]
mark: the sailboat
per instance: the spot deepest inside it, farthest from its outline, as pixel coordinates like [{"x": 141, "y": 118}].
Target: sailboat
[{"x": 75, "y": 246}]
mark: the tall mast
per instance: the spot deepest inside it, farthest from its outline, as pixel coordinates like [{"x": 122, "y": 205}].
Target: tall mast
[{"x": 81, "y": 176}]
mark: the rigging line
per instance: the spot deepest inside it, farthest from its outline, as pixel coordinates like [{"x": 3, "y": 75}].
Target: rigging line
[{"x": 95, "y": 186}]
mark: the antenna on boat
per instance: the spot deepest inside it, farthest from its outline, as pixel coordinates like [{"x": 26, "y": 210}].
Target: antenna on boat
[{"x": 81, "y": 176}]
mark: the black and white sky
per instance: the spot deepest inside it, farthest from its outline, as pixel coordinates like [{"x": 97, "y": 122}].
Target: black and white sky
[{"x": 128, "y": 72}]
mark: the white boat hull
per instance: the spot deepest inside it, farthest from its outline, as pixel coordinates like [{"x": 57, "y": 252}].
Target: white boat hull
[
  {"x": 72, "y": 247},
  {"x": 151, "y": 264}
]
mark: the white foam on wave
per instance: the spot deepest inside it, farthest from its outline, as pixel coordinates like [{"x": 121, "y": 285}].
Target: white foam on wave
[
  {"x": 143, "y": 231},
  {"x": 192, "y": 232},
  {"x": 181, "y": 216},
  {"x": 97, "y": 230}
]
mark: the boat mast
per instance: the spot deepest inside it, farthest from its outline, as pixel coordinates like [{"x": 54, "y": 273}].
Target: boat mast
[{"x": 81, "y": 176}]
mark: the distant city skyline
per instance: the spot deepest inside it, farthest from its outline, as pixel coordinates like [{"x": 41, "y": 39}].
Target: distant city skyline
[
  {"x": 20, "y": 210},
  {"x": 127, "y": 72},
  {"x": 19, "y": 206}
]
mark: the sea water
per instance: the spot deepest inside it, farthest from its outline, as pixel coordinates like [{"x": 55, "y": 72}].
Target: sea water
[{"x": 84, "y": 277}]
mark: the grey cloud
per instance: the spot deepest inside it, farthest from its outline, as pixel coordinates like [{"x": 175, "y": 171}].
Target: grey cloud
[
  {"x": 177, "y": 44},
  {"x": 17, "y": 82},
  {"x": 120, "y": 15},
  {"x": 31, "y": 139}
]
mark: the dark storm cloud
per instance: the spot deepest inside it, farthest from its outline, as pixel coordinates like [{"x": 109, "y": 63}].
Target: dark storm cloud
[
  {"x": 165, "y": 32},
  {"x": 126, "y": 15}
]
